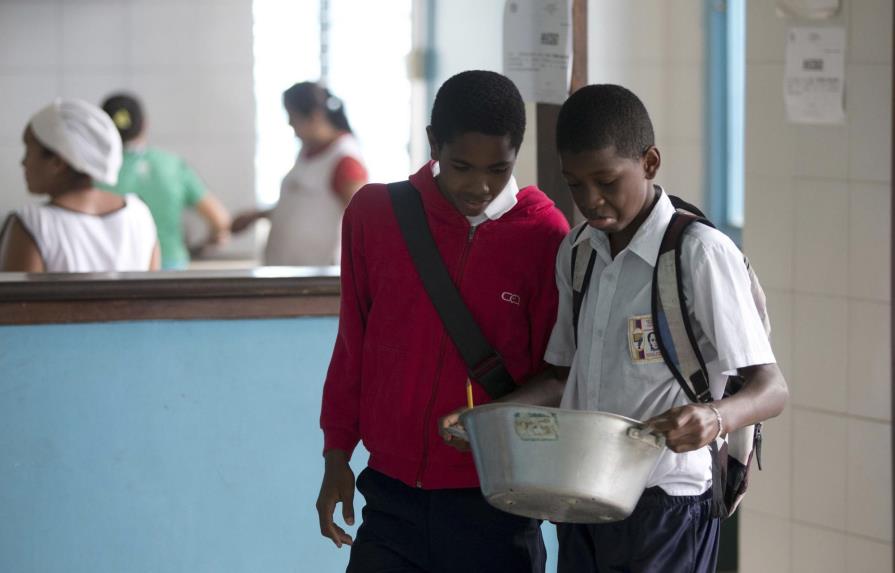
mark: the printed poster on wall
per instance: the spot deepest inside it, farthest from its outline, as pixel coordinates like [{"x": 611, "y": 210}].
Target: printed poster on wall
[
  {"x": 537, "y": 48},
  {"x": 814, "y": 78}
]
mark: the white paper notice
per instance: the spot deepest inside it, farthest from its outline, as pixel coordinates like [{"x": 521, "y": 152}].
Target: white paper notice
[
  {"x": 814, "y": 80},
  {"x": 537, "y": 48}
]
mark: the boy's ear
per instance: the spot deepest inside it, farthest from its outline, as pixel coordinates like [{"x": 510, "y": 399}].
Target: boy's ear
[
  {"x": 433, "y": 145},
  {"x": 651, "y": 162}
]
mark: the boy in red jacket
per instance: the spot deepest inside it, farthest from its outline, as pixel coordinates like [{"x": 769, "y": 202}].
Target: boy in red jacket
[{"x": 394, "y": 370}]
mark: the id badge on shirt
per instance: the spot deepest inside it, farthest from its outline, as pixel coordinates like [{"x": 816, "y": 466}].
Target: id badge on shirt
[{"x": 642, "y": 340}]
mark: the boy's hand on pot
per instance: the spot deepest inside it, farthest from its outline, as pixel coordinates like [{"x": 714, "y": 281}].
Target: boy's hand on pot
[
  {"x": 337, "y": 487},
  {"x": 686, "y": 428},
  {"x": 447, "y": 421}
]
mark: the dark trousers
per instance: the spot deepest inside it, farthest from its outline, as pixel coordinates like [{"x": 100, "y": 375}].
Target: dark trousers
[
  {"x": 406, "y": 529},
  {"x": 665, "y": 534}
]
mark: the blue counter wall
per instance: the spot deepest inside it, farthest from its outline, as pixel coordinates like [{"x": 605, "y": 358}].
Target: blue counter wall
[{"x": 165, "y": 447}]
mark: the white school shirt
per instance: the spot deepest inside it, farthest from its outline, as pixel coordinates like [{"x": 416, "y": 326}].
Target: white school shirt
[
  {"x": 73, "y": 242},
  {"x": 617, "y": 369}
]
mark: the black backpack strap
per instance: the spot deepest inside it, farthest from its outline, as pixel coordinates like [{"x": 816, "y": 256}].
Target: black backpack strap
[
  {"x": 580, "y": 280},
  {"x": 679, "y": 204},
  {"x": 674, "y": 333},
  {"x": 677, "y": 341},
  {"x": 483, "y": 363}
]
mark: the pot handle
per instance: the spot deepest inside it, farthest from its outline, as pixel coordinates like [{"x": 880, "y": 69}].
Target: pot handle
[
  {"x": 457, "y": 431},
  {"x": 641, "y": 433}
]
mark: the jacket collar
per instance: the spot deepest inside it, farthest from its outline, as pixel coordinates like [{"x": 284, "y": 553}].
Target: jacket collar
[{"x": 437, "y": 205}]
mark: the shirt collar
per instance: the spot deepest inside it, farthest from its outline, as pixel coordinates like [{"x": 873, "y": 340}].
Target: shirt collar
[
  {"x": 502, "y": 203},
  {"x": 646, "y": 241}
]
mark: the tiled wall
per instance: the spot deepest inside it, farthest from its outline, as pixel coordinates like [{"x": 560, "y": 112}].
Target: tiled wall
[
  {"x": 818, "y": 232},
  {"x": 635, "y": 43},
  {"x": 656, "y": 49},
  {"x": 190, "y": 61}
]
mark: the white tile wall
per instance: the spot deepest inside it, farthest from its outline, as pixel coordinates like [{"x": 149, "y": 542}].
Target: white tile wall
[
  {"x": 765, "y": 34},
  {"x": 870, "y": 32},
  {"x": 819, "y": 374},
  {"x": 611, "y": 24},
  {"x": 869, "y": 109},
  {"x": 769, "y": 232},
  {"x": 223, "y": 41},
  {"x": 21, "y": 91},
  {"x": 817, "y": 550},
  {"x": 869, "y": 365},
  {"x": 781, "y": 308},
  {"x": 172, "y": 103},
  {"x": 29, "y": 33},
  {"x": 770, "y": 145},
  {"x": 819, "y": 470},
  {"x": 821, "y": 251},
  {"x": 869, "y": 479},
  {"x": 190, "y": 61},
  {"x": 681, "y": 170},
  {"x": 683, "y": 42},
  {"x": 770, "y": 489},
  {"x": 822, "y": 151},
  {"x": 835, "y": 236},
  {"x": 223, "y": 111},
  {"x": 868, "y": 556},
  {"x": 682, "y": 102},
  {"x": 83, "y": 48},
  {"x": 869, "y": 232},
  {"x": 765, "y": 543},
  {"x": 164, "y": 36},
  {"x": 91, "y": 86}
]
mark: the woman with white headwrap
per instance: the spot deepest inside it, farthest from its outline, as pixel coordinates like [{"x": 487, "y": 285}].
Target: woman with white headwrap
[{"x": 70, "y": 146}]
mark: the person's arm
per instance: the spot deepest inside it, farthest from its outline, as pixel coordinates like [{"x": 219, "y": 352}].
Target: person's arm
[
  {"x": 724, "y": 309},
  {"x": 694, "y": 426},
  {"x": 155, "y": 262},
  {"x": 349, "y": 176},
  {"x": 340, "y": 409},
  {"x": 196, "y": 195},
  {"x": 217, "y": 217},
  {"x": 18, "y": 251},
  {"x": 246, "y": 219},
  {"x": 543, "y": 389}
]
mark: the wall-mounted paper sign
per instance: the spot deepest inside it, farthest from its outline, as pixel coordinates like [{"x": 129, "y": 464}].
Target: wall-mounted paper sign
[
  {"x": 537, "y": 48},
  {"x": 814, "y": 77}
]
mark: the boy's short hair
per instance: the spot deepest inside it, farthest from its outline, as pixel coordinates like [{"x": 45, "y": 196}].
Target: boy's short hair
[
  {"x": 478, "y": 101},
  {"x": 127, "y": 114},
  {"x": 604, "y": 115}
]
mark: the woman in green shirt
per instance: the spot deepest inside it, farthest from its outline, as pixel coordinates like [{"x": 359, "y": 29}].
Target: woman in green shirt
[{"x": 164, "y": 182}]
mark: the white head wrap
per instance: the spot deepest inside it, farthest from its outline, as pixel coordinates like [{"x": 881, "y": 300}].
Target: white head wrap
[{"x": 83, "y": 135}]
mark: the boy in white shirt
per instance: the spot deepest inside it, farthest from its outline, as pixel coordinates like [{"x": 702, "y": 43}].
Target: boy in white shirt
[{"x": 609, "y": 159}]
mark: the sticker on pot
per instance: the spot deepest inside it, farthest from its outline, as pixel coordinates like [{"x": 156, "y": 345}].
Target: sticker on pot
[{"x": 537, "y": 426}]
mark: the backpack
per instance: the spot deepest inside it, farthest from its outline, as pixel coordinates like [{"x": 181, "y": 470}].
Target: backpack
[{"x": 731, "y": 459}]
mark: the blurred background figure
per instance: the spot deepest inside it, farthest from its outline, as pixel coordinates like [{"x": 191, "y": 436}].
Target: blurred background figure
[
  {"x": 70, "y": 147},
  {"x": 305, "y": 224},
  {"x": 165, "y": 182}
]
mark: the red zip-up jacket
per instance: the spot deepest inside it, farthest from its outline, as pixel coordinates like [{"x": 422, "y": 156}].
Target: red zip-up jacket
[{"x": 394, "y": 370}]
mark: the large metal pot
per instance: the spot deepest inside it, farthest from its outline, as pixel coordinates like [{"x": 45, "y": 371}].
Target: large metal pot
[{"x": 567, "y": 466}]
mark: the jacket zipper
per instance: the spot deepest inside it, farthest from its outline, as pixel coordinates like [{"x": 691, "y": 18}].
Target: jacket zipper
[{"x": 427, "y": 418}]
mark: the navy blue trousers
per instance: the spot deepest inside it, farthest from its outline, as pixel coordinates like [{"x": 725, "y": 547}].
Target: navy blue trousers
[
  {"x": 664, "y": 534},
  {"x": 406, "y": 529}
]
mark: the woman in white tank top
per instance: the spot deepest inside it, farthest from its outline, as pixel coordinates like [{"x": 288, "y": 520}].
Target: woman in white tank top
[
  {"x": 69, "y": 145},
  {"x": 305, "y": 224}
]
